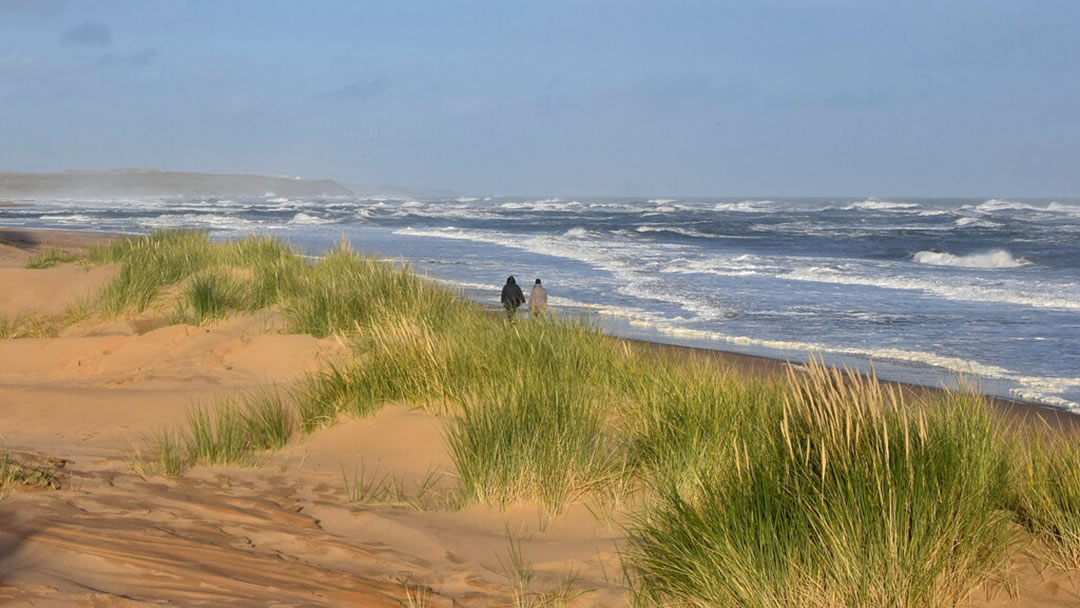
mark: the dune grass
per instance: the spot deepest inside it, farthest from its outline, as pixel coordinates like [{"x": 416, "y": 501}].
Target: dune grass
[
  {"x": 210, "y": 296},
  {"x": 533, "y": 441},
  {"x": 819, "y": 490},
  {"x": 1048, "y": 505},
  {"x": 344, "y": 292},
  {"x": 845, "y": 497},
  {"x": 32, "y": 325},
  {"x": 232, "y": 432},
  {"x": 51, "y": 257}
]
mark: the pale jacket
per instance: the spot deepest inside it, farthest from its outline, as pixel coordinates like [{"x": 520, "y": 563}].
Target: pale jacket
[{"x": 537, "y": 300}]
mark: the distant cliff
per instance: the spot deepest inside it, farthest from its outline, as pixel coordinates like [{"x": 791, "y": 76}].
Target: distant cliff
[{"x": 149, "y": 182}]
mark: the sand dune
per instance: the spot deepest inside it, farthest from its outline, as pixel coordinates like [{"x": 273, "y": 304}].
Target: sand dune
[{"x": 284, "y": 532}]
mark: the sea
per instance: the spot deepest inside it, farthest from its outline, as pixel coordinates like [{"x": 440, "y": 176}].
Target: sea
[{"x": 961, "y": 293}]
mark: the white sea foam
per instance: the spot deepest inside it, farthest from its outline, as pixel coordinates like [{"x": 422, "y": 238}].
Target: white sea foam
[
  {"x": 1023, "y": 295},
  {"x": 748, "y": 206},
  {"x": 975, "y": 222},
  {"x": 738, "y": 265},
  {"x": 304, "y": 218},
  {"x": 1057, "y": 207},
  {"x": 662, "y": 201},
  {"x": 676, "y": 230},
  {"x": 580, "y": 233},
  {"x": 876, "y": 205},
  {"x": 998, "y": 258},
  {"x": 994, "y": 204},
  {"x": 201, "y": 220},
  {"x": 76, "y": 218}
]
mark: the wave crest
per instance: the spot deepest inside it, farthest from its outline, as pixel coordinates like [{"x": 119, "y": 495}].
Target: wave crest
[{"x": 998, "y": 258}]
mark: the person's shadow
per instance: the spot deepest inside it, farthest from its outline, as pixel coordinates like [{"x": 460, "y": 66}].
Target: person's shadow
[
  {"x": 16, "y": 238},
  {"x": 11, "y": 538}
]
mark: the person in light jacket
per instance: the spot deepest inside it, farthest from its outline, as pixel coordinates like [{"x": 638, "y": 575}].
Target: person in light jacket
[{"x": 538, "y": 301}]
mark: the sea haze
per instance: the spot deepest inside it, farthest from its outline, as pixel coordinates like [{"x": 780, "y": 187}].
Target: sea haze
[{"x": 931, "y": 291}]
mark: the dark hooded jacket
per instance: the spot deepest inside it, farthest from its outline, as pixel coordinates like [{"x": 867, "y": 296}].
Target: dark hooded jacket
[{"x": 511, "y": 294}]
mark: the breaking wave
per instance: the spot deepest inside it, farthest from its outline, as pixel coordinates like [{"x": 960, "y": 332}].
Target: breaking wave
[{"x": 998, "y": 258}]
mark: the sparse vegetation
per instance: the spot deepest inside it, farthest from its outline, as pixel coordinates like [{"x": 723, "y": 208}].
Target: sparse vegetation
[
  {"x": 28, "y": 325},
  {"x": 237, "y": 430},
  {"x": 51, "y": 257},
  {"x": 375, "y": 487},
  {"x": 18, "y": 472},
  {"x": 524, "y": 581}
]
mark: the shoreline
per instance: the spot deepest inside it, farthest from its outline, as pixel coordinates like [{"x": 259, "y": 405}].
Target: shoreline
[{"x": 35, "y": 239}]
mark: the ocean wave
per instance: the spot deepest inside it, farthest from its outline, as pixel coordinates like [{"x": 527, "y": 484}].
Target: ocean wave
[
  {"x": 76, "y": 218},
  {"x": 201, "y": 220},
  {"x": 662, "y": 201},
  {"x": 580, "y": 233},
  {"x": 739, "y": 265},
  {"x": 876, "y": 205},
  {"x": 998, "y": 258},
  {"x": 975, "y": 222},
  {"x": 676, "y": 230},
  {"x": 304, "y": 218},
  {"x": 748, "y": 206},
  {"x": 1063, "y": 208},
  {"x": 994, "y": 205},
  {"x": 1023, "y": 295}
]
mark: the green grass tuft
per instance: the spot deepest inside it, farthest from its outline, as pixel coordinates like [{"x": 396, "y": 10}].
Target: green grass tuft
[
  {"x": 1048, "y": 505},
  {"x": 847, "y": 498},
  {"x": 211, "y": 295},
  {"x": 534, "y": 441},
  {"x": 50, "y": 258}
]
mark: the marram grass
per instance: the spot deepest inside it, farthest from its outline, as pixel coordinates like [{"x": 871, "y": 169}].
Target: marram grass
[
  {"x": 1048, "y": 505},
  {"x": 825, "y": 489},
  {"x": 50, "y": 258},
  {"x": 232, "y": 432},
  {"x": 849, "y": 497}
]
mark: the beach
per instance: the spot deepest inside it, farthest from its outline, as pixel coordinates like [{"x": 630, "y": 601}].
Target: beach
[{"x": 305, "y": 524}]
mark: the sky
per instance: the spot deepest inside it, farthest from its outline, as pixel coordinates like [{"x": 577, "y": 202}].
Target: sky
[{"x": 586, "y": 97}]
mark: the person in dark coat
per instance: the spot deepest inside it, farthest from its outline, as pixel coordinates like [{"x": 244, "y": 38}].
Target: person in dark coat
[{"x": 511, "y": 297}]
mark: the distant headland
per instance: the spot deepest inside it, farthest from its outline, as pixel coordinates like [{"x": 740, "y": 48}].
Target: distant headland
[{"x": 151, "y": 182}]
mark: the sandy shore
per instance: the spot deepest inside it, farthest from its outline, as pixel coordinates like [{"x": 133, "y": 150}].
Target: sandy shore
[{"x": 74, "y": 407}]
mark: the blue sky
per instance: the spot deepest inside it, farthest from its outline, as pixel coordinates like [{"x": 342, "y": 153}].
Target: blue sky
[{"x": 739, "y": 97}]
